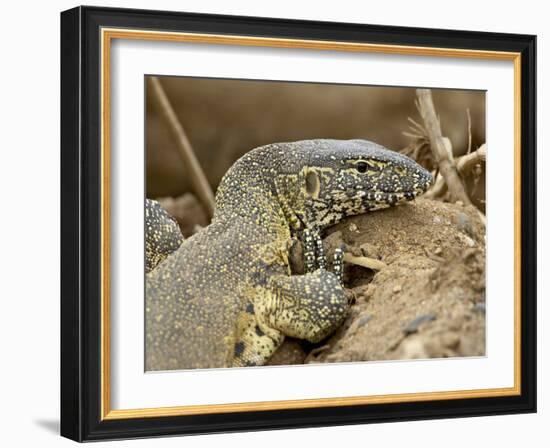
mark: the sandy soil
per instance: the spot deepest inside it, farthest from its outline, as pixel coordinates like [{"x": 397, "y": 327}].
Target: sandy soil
[{"x": 427, "y": 302}]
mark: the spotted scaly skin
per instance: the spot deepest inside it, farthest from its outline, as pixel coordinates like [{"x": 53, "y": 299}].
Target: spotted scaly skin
[
  {"x": 226, "y": 296},
  {"x": 162, "y": 234}
]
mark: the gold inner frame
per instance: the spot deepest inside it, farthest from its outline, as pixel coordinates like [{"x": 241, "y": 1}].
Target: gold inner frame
[{"x": 107, "y": 35}]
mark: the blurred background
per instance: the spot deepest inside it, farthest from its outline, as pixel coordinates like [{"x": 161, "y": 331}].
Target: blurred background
[{"x": 223, "y": 119}]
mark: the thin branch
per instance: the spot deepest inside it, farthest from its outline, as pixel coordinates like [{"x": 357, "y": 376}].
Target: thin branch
[
  {"x": 441, "y": 147},
  {"x": 469, "y": 116},
  {"x": 464, "y": 165},
  {"x": 198, "y": 180},
  {"x": 416, "y": 125},
  {"x": 409, "y": 134}
]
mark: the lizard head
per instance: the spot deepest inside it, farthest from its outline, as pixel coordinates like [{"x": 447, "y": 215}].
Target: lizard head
[{"x": 341, "y": 178}]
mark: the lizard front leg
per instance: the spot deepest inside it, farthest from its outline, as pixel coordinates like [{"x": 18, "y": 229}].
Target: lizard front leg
[
  {"x": 309, "y": 306},
  {"x": 315, "y": 257}
]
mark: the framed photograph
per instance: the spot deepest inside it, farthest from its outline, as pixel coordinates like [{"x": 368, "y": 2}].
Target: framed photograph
[{"x": 276, "y": 224}]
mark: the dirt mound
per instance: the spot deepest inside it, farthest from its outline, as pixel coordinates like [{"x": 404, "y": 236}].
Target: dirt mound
[{"x": 427, "y": 300}]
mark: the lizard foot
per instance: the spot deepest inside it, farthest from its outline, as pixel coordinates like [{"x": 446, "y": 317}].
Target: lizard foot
[{"x": 309, "y": 306}]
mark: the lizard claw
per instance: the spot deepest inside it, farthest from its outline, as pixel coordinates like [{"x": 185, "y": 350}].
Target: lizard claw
[
  {"x": 309, "y": 251},
  {"x": 338, "y": 263},
  {"x": 321, "y": 257},
  {"x": 314, "y": 251}
]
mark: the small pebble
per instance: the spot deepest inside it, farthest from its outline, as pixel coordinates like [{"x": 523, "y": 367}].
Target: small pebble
[
  {"x": 396, "y": 289},
  {"x": 353, "y": 227},
  {"x": 413, "y": 326},
  {"x": 438, "y": 251},
  {"x": 464, "y": 224},
  {"x": 470, "y": 242},
  {"x": 450, "y": 340},
  {"x": 480, "y": 307},
  {"x": 363, "y": 320},
  {"x": 369, "y": 250}
]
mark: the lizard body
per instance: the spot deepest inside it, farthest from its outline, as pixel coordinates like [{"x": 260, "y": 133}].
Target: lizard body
[{"x": 226, "y": 296}]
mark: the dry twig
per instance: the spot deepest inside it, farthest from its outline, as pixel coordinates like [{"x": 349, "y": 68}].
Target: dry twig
[
  {"x": 419, "y": 148},
  {"x": 197, "y": 177},
  {"x": 469, "y": 116},
  {"x": 366, "y": 262},
  {"x": 464, "y": 165},
  {"x": 441, "y": 147}
]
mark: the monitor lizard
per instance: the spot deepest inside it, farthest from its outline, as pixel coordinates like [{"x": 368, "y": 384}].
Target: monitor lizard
[{"x": 226, "y": 296}]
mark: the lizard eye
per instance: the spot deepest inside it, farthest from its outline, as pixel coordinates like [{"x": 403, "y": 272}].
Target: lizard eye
[{"x": 362, "y": 167}]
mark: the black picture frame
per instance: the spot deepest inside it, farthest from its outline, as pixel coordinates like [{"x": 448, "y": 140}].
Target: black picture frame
[{"x": 81, "y": 224}]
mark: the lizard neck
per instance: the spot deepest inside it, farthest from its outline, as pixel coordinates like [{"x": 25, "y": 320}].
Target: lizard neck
[
  {"x": 291, "y": 202},
  {"x": 252, "y": 201}
]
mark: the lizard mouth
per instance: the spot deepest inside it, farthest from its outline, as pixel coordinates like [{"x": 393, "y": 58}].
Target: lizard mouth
[
  {"x": 408, "y": 195},
  {"x": 390, "y": 198}
]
